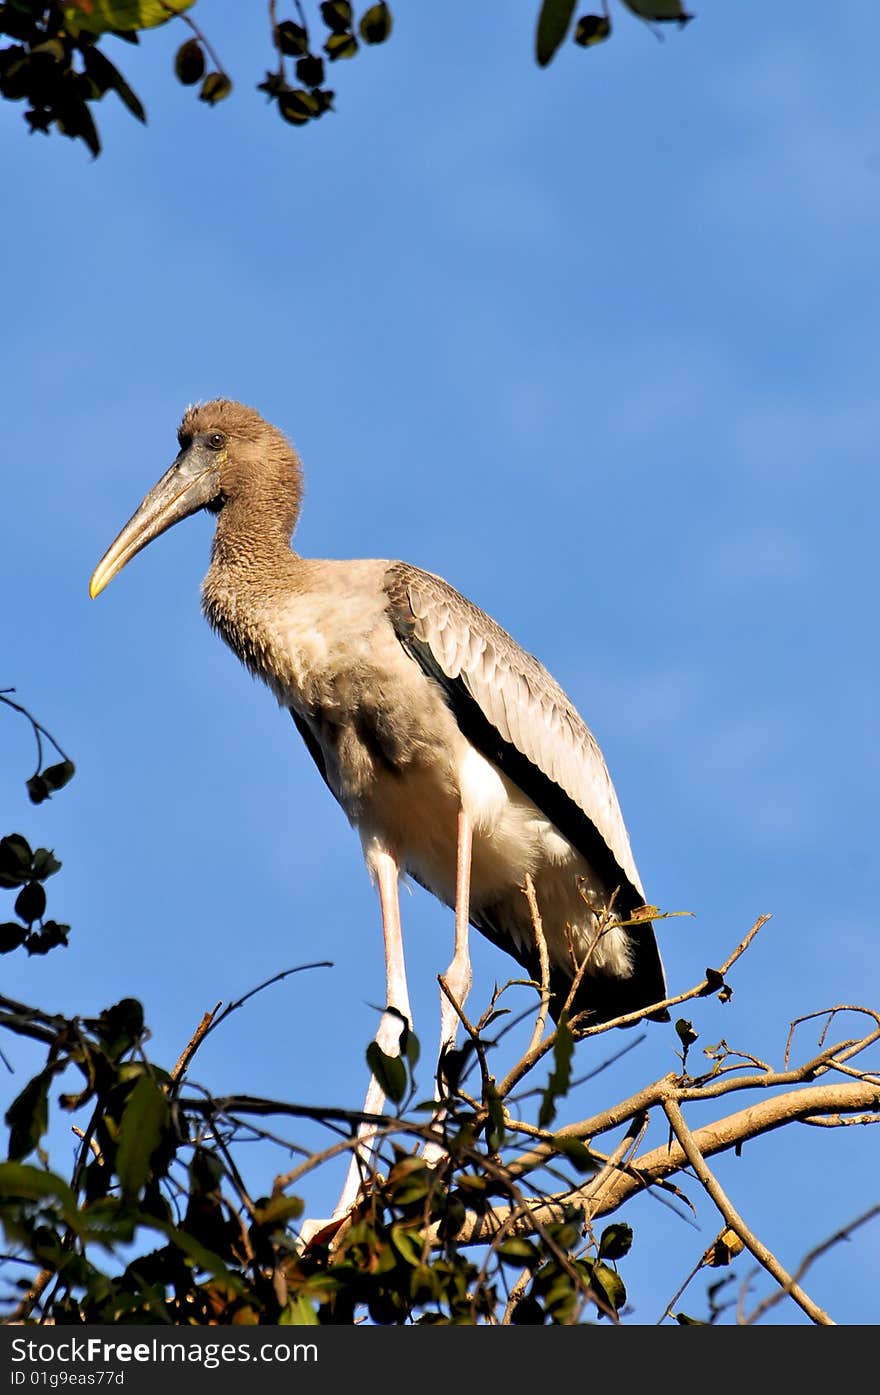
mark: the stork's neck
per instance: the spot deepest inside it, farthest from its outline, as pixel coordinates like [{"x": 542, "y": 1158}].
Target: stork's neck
[
  {"x": 252, "y": 563},
  {"x": 253, "y": 566},
  {"x": 251, "y": 550}
]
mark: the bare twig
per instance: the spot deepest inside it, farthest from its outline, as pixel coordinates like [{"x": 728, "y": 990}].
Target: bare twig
[
  {"x": 202, "y": 38},
  {"x": 194, "y": 1042},
  {"x": 23, "y": 1310},
  {"x": 699, "y": 990},
  {"x": 37, "y": 727},
  {"x": 543, "y": 960},
  {"x": 810, "y": 1258},
  {"x": 662, "y": 1162},
  {"x": 737, "y": 1223},
  {"x": 90, "y": 1142},
  {"x": 267, "y": 983}
]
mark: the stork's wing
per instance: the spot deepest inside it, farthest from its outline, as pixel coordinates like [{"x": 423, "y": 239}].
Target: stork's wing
[{"x": 507, "y": 704}]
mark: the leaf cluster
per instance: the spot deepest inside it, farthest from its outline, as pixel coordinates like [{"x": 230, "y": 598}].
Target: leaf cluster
[
  {"x": 25, "y": 872},
  {"x": 556, "y": 17},
  {"x": 55, "y": 58},
  {"x": 155, "y": 1225},
  {"x": 58, "y": 68}
]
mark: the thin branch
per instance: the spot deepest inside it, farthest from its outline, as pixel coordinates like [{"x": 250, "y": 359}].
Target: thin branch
[
  {"x": 810, "y": 1258},
  {"x": 831, "y": 1013},
  {"x": 202, "y": 38},
  {"x": 667, "y": 1311},
  {"x": 837, "y": 1121},
  {"x": 87, "y": 1139},
  {"x": 37, "y": 727},
  {"x": 721, "y": 1136},
  {"x": 267, "y": 983},
  {"x": 194, "y": 1042},
  {"x": 735, "y": 1221},
  {"x": 543, "y": 960},
  {"x": 517, "y": 1291},
  {"x": 616, "y": 1162},
  {"x": 23, "y": 1310},
  {"x": 476, "y": 1040},
  {"x": 698, "y": 991}
]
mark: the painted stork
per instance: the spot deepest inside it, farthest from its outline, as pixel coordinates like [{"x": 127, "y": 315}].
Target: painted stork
[{"x": 452, "y": 751}]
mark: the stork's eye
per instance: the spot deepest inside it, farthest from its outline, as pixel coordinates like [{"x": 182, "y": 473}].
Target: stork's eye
[{"x": 216, "y": 440}]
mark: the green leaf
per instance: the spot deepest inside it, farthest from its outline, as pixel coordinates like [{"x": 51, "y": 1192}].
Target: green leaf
[
  {"x": 389, "y": 1071},
  {"x": 554, "y": 22},
  {"x": 715, "y": 984},
  {"x": 278, "y": 1210},
  {"x": 53, "y": 47},
  {"x": 577, "y": 1152},
  {"x": 375, "y": 25},
  {"x": 528, "y": 1312},
  {"x": 15, "y": 860},
  {"x": 45, "y": 864},
  {"x": 49, "y": 937},
  {"x": 199, "y": 1255},
  {"x": 145, "y": 1119},
  {"x": 298, "y": 106},
  {"x": 38, "y": 790},
  {"x": 30, "y": 903},
  {"x": 28, "y": 1115},
  {"x": 119, "y": 1026},
  {"x": 592, "y": 29},
  {"x": 518, "y": 1250},
  {"x": 189, "y": 63},
  {"x": 495, "y": 1131},
  {"x": 341, "y": 46},
  {"x": 100, "y": 16},
  {"x": 685, "y": 1031},
  {"x": 660, "y": 11},
  {"x": 23, "y": 1182},
  {"x": 215, "y": 87},
  {"x": 408, "y": 1244},
  {"x": 411, "y": 1048},
  {"x": 337, "y": 15},
  {"x": 108, "y": 78},
  {"x": 616, "y": 1241},
  {"x": 408, "y": 1181},
  {"x": 453, "y": 1218},
  {"x": 205, "y": 1171},
  {"x": 11, "y": 936},
  {"x": 560, "y": 1076},
  {"x": 292, "y": 39},
  {"x": 452, "y": 1063},
  {"x": 75, "y": 120},
  {"x": 299, "y": 1312},
  {"x": 310, "y": 70},
  {"x": 610, "y": 1286}
]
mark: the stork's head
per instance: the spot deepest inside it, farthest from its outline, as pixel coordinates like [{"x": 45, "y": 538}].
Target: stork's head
[{"x": 230, "y": 460}]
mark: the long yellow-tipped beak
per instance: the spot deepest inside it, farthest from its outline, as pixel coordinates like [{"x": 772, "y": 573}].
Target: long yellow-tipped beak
[{"x": 190, "y": 484}]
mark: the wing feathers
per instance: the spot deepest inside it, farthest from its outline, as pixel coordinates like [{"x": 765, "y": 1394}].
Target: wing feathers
[{"x": 513, "y": 710}]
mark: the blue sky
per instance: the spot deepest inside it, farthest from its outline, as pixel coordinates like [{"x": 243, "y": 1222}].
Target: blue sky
[{"x": 598, "y": 344}]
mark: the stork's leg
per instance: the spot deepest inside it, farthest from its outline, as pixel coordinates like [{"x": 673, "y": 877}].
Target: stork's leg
[
  {"x": 387, "y": 875},
  {"x": 458, "y": 976}
]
